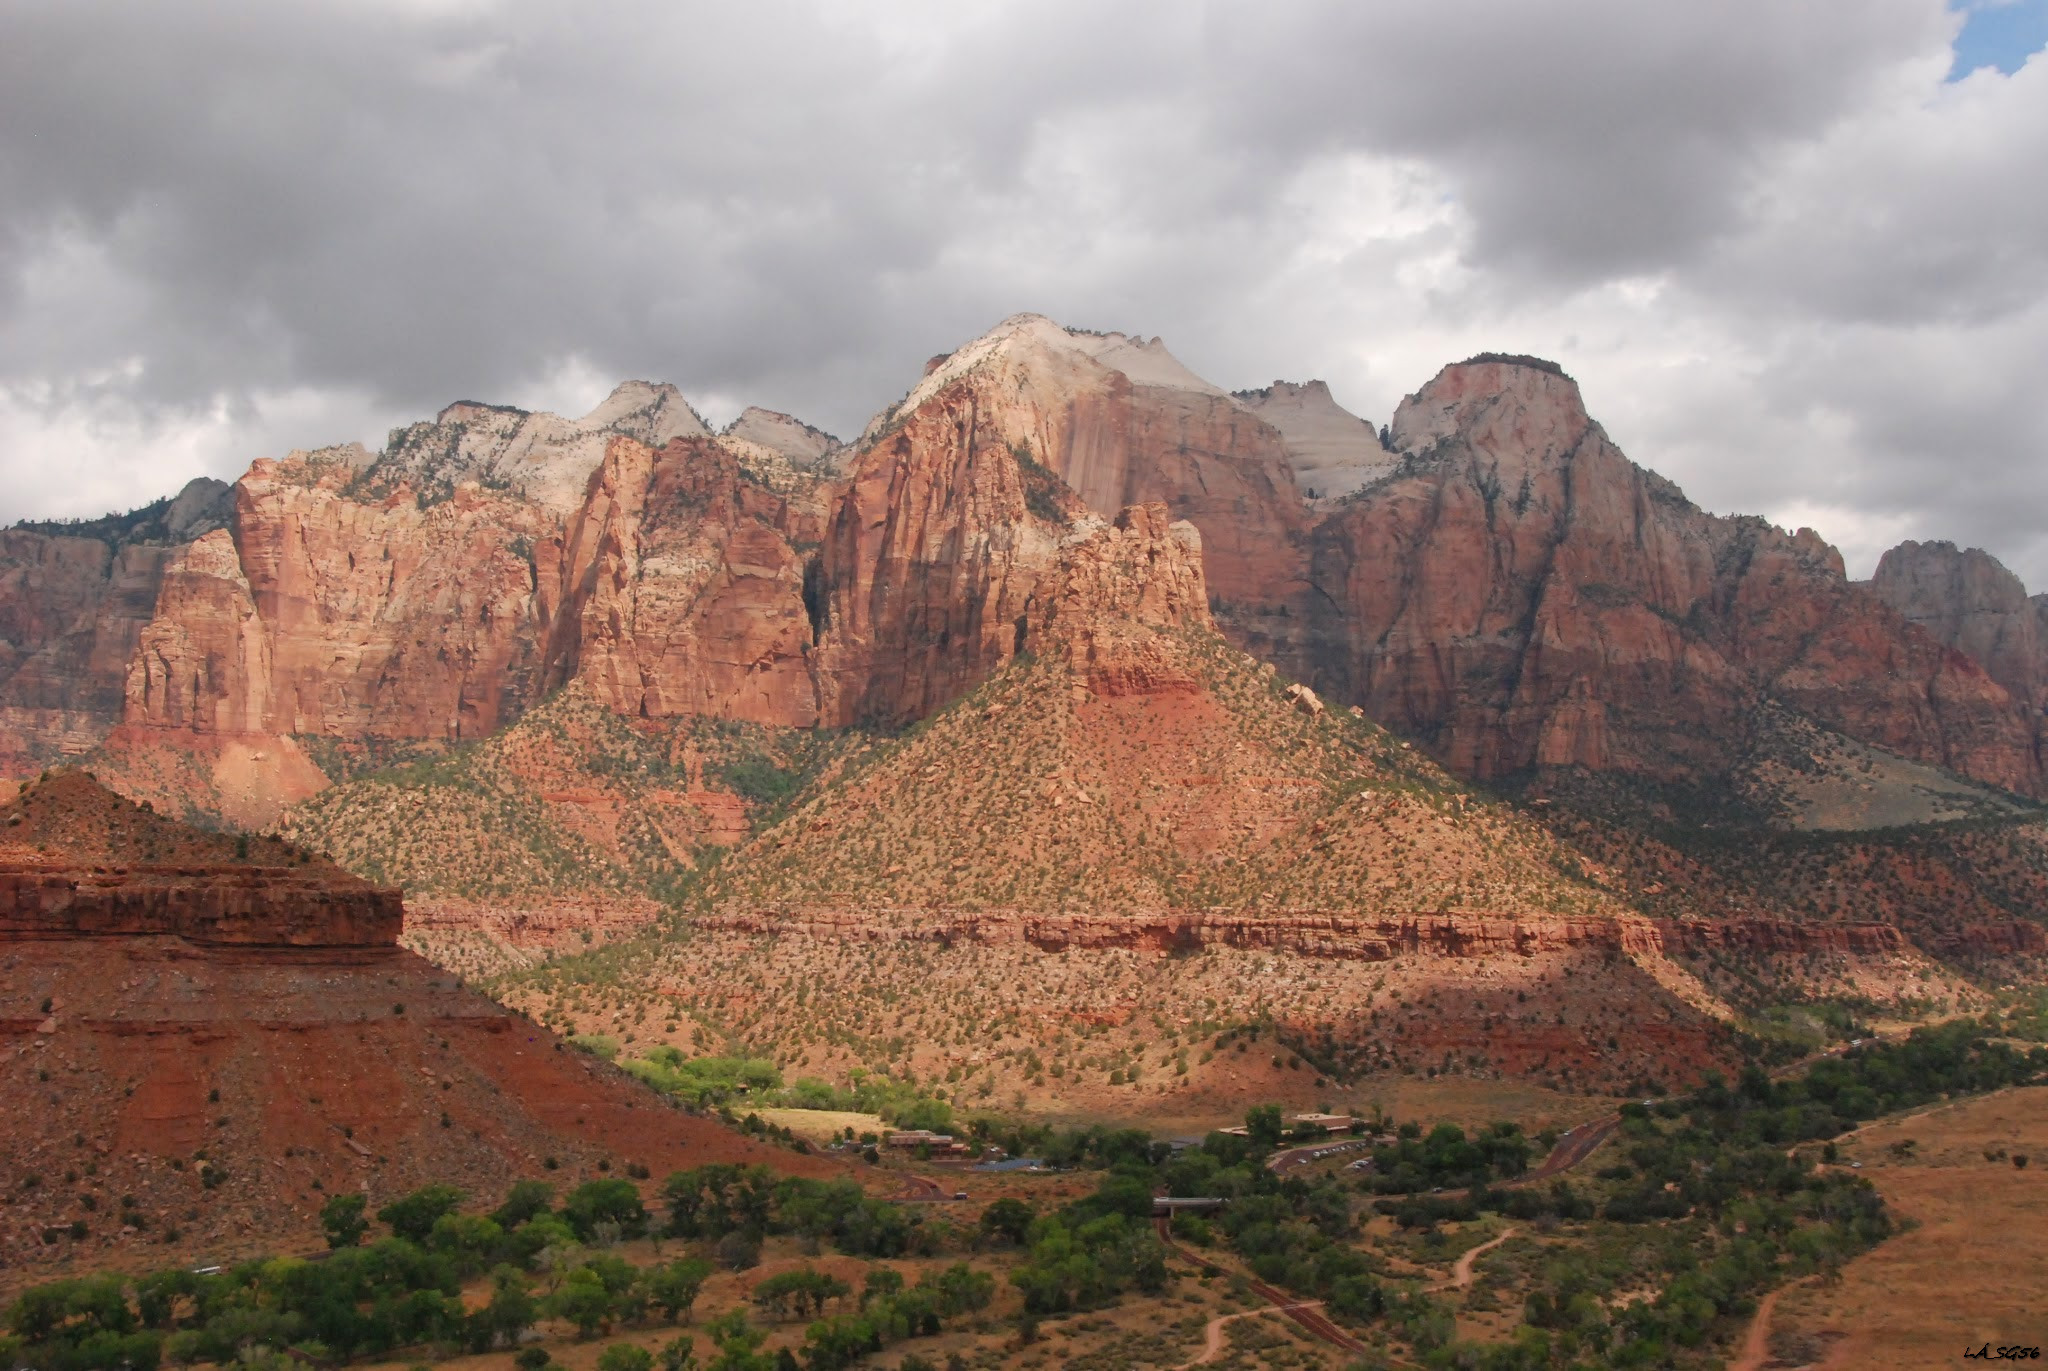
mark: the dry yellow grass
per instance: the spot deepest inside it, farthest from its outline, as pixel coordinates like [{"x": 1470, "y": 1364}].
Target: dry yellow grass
[
  {"x": 1974, "y": 1270},
  {"x": 823, "y": 1125}
]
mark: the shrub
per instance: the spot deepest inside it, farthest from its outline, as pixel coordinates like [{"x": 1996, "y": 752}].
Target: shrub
[{"x": 624, "y": 1356}]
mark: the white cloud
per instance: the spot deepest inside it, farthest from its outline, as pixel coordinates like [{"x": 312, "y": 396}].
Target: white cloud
[{"x": 1793, "y": 269}]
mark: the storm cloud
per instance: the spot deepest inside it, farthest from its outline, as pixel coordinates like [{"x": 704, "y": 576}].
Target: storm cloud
[{"x": 1798, "y": 263}]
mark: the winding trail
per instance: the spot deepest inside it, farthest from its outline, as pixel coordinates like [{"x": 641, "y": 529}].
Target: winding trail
[
  {"x": 1308, "y": 1315},
  {"x": 1756, "y": 1343},
  {"x": 1212, "y": 1333},
  {"x": 1461, "y": 1274}
]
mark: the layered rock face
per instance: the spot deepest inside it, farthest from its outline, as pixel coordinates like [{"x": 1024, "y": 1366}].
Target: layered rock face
[
  {"x": 792, "y": 439},
  {"x": 1339, "y": 936},
  {"x": 324, "y": 613},
  {"x": 931, "y": 558},
  {"x": 540, "y": 457},
  {"x": 1966, "y": 599},
  {"x": 166, "y": 992},
  {"x": 1119, "y": 421},
  {"x": 199, "y": 904},
  {"x": 1112, "y": 589},
  {"x": 1520, "y": 595},
  {"x": 434, "y": 592},
  {"x": 1498, "y": 579},
  {"x": 74, "y": 600},
  {"x": 684, "y": 589},
  {"x": 77, "y": 861}
]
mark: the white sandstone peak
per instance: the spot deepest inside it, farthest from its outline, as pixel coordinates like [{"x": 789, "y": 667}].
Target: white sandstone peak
[
  {"x": 796, "y": 440},
  {"x": 653, "y": 412},
  {"x": 1333, "y": 451},
  {"x": 1026, "y": 340}
]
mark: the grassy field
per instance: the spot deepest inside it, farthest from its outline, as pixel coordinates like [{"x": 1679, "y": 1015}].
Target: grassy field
[
  {"x": 823, "y": 1125},
  {"x": 1973, "y": 1271}
]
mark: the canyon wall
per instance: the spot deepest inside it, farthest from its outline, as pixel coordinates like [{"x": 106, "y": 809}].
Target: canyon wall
[
  {"x": 1519, "y": 594},
  {"x": 209, "y": 905},
  {"x": 1497, "y": 580},
  {"x": 74, "y": 601},
  {"x": 1966, "y": 599}
]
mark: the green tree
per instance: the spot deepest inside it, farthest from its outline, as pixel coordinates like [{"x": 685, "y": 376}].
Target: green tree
[
  {"x": 583, "y": 1301},
  {"x": 1007, "y": 1220},
  {"x": 1263, "y": 1123},
  {"x": 738, "y": 1342},
  {"x": 678, "y": 1354},
  {"x": 413, "y": 1217},
  {"x": 605, "y": 1201},
  {"x": 673, "y": 1287},
  {"x": 511, "y": 1311},
  {"x": 342, "y": 1219},
  {"x": 525, "y": 1200},
  {"x": 805, "y": 1289}
]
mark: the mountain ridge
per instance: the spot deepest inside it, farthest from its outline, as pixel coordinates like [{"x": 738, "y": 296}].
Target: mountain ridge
[{"x": 1537, "y": 602}]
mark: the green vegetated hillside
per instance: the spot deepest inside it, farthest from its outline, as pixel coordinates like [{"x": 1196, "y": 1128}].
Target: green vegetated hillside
[
  {"x": 1211, "y": 786},
  {"x": 570, "y": 800}
]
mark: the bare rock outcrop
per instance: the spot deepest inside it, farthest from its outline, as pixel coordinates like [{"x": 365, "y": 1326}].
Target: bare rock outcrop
[
  {"x": 684, "y": 591},
  {"x": 1112, "y": 588},
  {"x": 1334, "y": 452},
  {"x": 327, "y": 613},
  {"x": 1520, "y": 594},
  {"x": 1343, "y": 936},
  {"x": 436, "y": 591},
  {"x": 811, "y": 449},
  {"x": 538, "y": 456},
  {"x": 1966, "y": 599},
  {"x": 932, "y": 556},
  {"x": 78, "y": 861},
  {"x": 1120, "y": 421},
  {"x": 1496, "y": 579},
  {"x": 72, "y": 610},
  {"x": 74, "y": 599}
]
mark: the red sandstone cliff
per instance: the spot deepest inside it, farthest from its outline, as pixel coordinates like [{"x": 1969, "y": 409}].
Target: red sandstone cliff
[
  {"x": 685, "y": 590},
  {"x": 74, "y": 599},
  {"x": 1101, "y": 608},
  {"x": 1965, "y": 598},
  {"x": 1520, "y": 594},
  {"x": 1513, "y": 590},
  {"x": 76, "y": 860},
  {"x": 434, "y": 592},
  {"x": 1350, "y": 937},
  {"x": 1033, "y": 416}
]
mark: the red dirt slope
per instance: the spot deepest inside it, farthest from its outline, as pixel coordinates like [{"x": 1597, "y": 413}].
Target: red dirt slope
[{"x": 159, "y": 1091}]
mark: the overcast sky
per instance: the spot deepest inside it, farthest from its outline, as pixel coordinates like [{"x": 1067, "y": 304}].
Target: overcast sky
[{"x": 1796, "y": 253}]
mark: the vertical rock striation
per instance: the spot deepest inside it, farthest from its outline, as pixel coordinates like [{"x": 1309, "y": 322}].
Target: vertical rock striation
[{"x": 1520, "y": 594}]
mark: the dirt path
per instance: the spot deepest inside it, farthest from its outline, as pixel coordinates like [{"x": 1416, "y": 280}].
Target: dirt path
[
  {"x": 1756, "y": 1343},
  {"x": 1308, "y": 1315},
  {"x": 1461, "y": 1274},
  {"x": 1212, "y": 1334}
]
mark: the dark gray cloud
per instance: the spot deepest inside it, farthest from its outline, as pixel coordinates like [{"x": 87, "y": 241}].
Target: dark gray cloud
[{"x": 1792, "y": 267}]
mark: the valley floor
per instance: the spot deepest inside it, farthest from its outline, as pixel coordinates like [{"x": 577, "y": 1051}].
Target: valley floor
[{"x": 1974, "y": 1268}]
